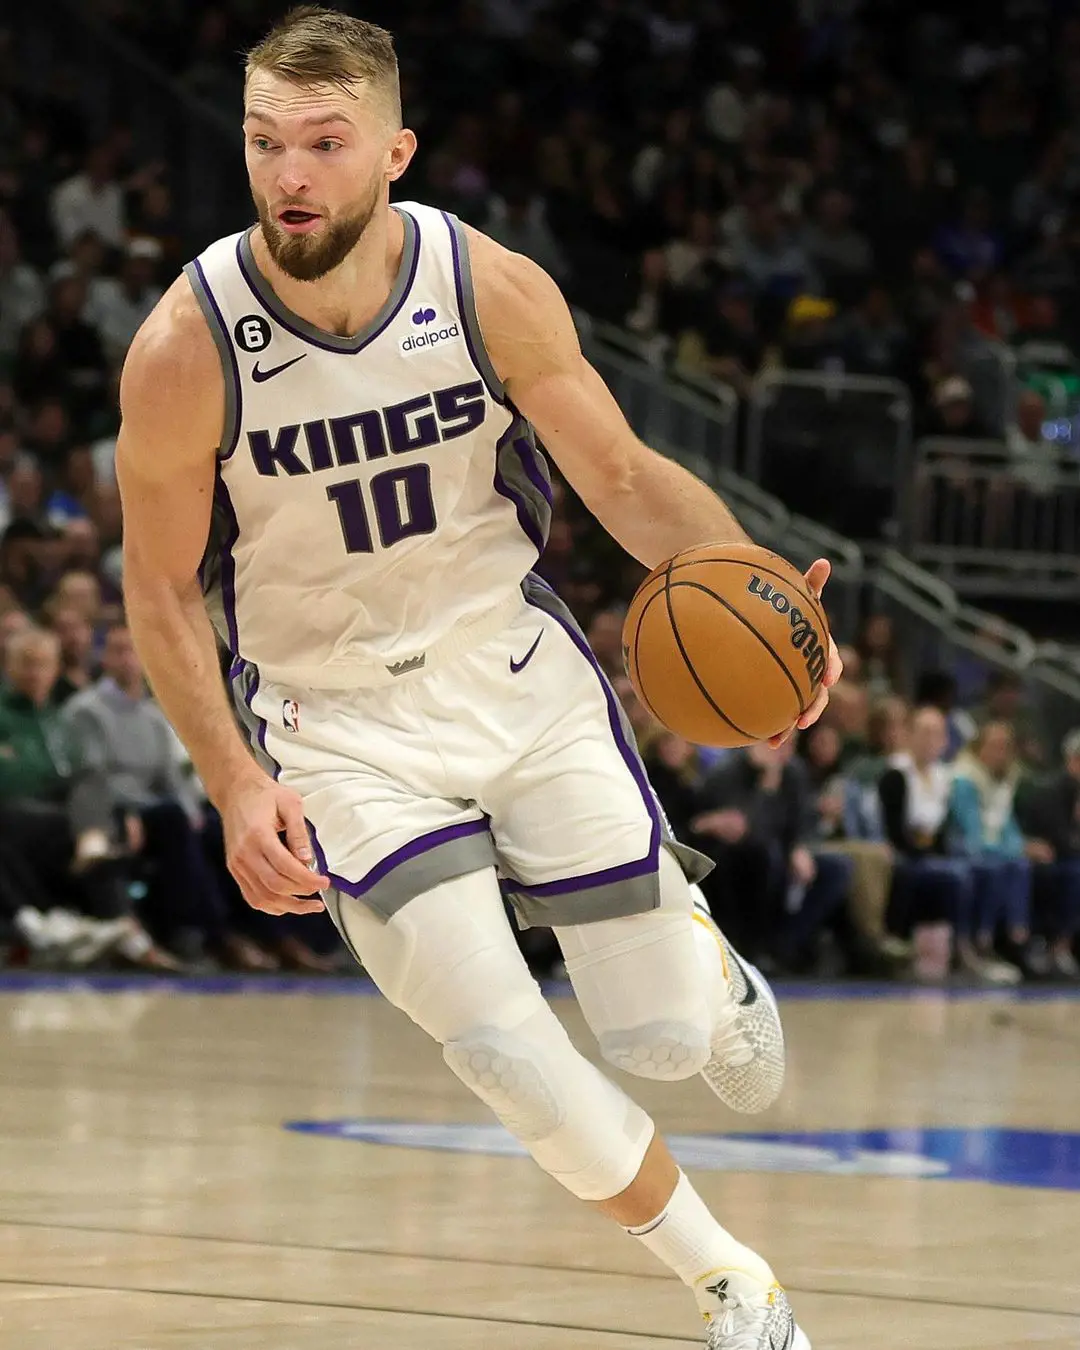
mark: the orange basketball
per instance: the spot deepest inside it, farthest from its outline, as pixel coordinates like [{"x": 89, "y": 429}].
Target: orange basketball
[{"x": 725, "y": 645}]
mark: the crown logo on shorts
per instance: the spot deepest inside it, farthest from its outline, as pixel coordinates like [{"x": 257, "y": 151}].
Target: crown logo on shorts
[{"x": 403, "y": 667}]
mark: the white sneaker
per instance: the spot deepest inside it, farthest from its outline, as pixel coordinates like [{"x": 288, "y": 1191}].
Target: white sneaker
[
  {"x": 746, "y": 1070},
  {"x": 750, "y": 1318},
  {"x": 989, "y": 969},
  {"x": 1062, "y": 962}
]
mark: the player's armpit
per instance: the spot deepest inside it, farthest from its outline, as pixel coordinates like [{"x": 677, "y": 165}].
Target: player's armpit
[{"x": 651, "y": 505}]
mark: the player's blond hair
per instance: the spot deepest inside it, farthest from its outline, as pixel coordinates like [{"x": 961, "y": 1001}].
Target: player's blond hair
[{"x": 316, "y": 45}]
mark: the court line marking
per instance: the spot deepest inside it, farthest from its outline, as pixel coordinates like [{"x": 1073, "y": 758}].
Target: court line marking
[
  {"x": 359, "y": 986},
  {"x": 503, "y": 1263},
  {"x": 347, "y": 1307}
]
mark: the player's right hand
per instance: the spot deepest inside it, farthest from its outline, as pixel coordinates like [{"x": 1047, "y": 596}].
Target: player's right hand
[{"x": 273, "y": 876}]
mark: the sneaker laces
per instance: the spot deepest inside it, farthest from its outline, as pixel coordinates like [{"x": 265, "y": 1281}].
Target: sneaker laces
[
  {"x": 728, "y": 1040},
  {"x": 741, "y": 1326}
]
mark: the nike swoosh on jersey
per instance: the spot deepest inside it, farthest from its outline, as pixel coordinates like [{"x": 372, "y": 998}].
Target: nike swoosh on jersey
[
  {"x": 516, "y": 667},
  {"x": 259, "y": 376}
]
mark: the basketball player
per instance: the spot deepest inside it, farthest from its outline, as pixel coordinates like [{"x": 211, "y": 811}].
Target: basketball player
[{"x": 340, "y": 400}]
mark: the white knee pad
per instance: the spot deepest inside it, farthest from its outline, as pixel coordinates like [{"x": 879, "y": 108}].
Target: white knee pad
[
  {"x": 510, "y": 1075},
  {"x": 664, "y": 1050},
  {"x": 450, "y": 961},
  {"x": 578, "y": 1127},
  {"x": 641, "y": 984}
]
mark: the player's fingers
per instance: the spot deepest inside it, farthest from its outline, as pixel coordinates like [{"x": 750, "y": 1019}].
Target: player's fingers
[
  {"x": 276, "y": 867},
  {"x": 835, "y": 667},
  {"x": 271, "y": 902},
  {"x": 782, "y": 736},
  {"x": 817, "y": 575},
  {"x": 811, "y": 715},
  {"x": 266, "y": 870},
  {"x": 297, "y": 839}
]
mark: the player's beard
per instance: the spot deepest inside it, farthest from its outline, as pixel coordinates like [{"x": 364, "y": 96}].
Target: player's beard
[{"x": 307, "y": 257}]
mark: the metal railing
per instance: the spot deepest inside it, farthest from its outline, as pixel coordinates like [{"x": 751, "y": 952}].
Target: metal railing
[
  {"x": 990, "y": 521},
  {"x": 675, "y": 416},
  {"x": 809, "y": 432}
]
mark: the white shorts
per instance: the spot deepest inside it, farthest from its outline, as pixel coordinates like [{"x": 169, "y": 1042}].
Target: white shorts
[{"x": 513, "y": 754}]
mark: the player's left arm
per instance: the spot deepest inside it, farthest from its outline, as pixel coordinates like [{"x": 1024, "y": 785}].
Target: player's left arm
[
  {"x": 651, "y": 505},
  {"x": 654, "y": 507}
]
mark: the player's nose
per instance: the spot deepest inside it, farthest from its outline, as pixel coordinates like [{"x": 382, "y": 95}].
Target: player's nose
[{"x": 292, "y": 179}]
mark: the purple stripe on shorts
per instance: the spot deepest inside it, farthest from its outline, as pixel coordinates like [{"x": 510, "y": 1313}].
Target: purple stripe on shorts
[
  {"x": 424, "y": 843},
  {"x": 632, "y": 761}
]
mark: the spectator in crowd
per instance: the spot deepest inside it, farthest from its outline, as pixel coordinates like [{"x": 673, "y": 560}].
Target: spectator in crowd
[
  {"x": 50, "y": 865},
  {"x": 604, "y": 634},
  {"x": 769, "y": 887},
  {"x": 953, "y": 412},
  {"x": 882, "y": 668},
  {"x": 848, "y": 824},
  {"x": 1004, "y": 701},
  {"x": 939, "y": 689},
  {"x": 92, "y": 199},
  {"x": 129, "y": 784},
  {"x": 123, "y": 303},
  {"x": 983, "y": 805},
  {"x": 1050, "y": 816},
  {"x": 933, "y": 886},
  {"x": 78, "y": 666},
  {"x": 22, "y": 294},
  {"x": 887, "y": 728}
]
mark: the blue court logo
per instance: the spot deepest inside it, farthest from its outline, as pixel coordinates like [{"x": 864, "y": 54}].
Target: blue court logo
[
  {"x": 1038, "y": 1158},
  {"x": 424, "y": 315}
]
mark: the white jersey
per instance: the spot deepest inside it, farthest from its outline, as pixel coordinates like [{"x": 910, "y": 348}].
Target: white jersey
[{"x": 375, "y": 494}]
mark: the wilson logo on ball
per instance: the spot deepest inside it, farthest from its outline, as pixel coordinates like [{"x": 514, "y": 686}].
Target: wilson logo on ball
[{"x": 804, "y": 636}]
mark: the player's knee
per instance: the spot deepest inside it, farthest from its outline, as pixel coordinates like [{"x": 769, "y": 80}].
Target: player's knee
[
  {"x": 512, "y": 1075},
  {"x": 664, "y": 1050}
]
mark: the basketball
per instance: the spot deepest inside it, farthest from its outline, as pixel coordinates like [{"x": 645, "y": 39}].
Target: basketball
[{"x": 725, "y": 645}]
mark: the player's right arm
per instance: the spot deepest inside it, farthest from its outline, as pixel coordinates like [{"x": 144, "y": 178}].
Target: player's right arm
[{"x": 172, "y": 402}]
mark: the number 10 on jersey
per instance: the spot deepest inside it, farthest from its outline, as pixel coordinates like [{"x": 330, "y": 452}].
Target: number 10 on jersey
[{"x": 399, "y": 500}]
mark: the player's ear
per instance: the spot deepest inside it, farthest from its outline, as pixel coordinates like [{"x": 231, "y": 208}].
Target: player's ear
[{"x": 399, "y": 153}]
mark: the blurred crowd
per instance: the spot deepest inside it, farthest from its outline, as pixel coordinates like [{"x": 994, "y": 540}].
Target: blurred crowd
[{"x": 825, "y": 185}]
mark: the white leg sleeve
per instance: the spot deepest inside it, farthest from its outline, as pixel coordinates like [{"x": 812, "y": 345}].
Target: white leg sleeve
[
  {"x": 650, "y": 985},
  {"x": 449, "y": 960}
]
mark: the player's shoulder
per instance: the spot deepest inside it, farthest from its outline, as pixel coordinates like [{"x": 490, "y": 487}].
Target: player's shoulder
[
  {"x": 521, "y": 311},
  {"x": 507, "y": 277},
  {"x": 173, "y": 354}
]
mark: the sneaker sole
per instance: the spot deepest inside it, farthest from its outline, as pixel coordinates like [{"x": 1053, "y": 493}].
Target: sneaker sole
[{"x": 752, "y": 1087}]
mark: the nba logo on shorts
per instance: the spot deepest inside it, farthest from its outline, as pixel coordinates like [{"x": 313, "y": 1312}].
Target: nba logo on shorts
[{"x": 290, "y": 715}]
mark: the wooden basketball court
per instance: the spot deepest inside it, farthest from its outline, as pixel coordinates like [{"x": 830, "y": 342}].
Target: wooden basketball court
[{"x": 152, "y": 1196}]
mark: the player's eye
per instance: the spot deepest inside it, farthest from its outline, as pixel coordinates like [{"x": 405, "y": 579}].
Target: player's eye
[
  {"x": 261, "y": 142},
  {"x": 327, "y": 145}
]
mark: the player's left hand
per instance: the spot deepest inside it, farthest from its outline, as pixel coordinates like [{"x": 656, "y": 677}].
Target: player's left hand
[{"x": 816, "y": 578}]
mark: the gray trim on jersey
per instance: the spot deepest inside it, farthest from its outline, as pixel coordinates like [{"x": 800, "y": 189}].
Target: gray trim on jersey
[
  {"x": 319, "y": 337},
  {"x": 244, "y": 680},
  {"x": 230, "y": 432},
  {"x": 217, "y": 545},
  {"x": 515, "y": 455},
  {"x": 466, "y": 295}
]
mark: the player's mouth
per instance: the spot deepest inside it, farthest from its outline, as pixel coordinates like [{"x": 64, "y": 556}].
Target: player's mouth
[{"x": 295, "y": 220}]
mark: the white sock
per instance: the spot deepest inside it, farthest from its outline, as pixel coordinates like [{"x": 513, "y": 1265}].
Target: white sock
[{"x": 689, "y": 1241}]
